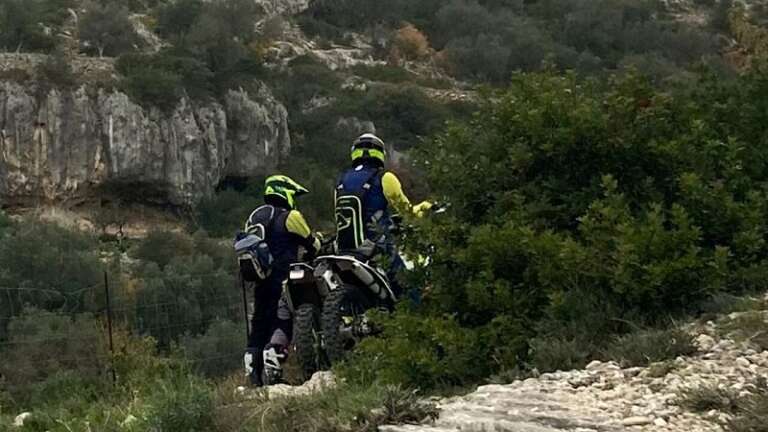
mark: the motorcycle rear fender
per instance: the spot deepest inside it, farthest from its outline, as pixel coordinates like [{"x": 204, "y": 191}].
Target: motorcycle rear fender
[
  {"x": 301, "y": 286},
  {"x": 345, "y": 268}
]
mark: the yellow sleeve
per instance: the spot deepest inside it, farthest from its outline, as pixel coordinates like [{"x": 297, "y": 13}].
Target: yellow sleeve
[
  {"x": 393, "y": 191},
  {"x": 295, "y": 223}
]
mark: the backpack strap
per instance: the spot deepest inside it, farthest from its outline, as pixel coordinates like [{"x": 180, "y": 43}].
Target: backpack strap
[{"x": 269, "y": 225}]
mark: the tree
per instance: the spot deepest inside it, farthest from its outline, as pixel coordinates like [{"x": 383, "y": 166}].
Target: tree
[
  {"x": 112, "y": 215},
  {"x": 108, "y": 29},
  {"x": 411, "y": 42},
  {"x": 21, "y": 26},
  {"x": 177, "y": 18}
]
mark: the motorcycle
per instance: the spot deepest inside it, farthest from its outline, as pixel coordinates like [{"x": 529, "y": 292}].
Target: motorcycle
[
  {"x": 354, "y": 287},
  {"x": 330, "y": 297}
]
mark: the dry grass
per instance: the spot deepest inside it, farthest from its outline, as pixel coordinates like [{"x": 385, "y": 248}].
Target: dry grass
[
  {"x": 649, "y": 346},
  {"x": 709, "y": 397},
  {"x": 750, "y": 327},
  {"x": 345, "y": 408}
]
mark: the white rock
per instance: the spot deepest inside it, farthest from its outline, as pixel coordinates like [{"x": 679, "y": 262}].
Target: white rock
[
  {"x": 660, "y": 422},
  {"x": 594, "y": 365},
  {"x": 128, "y": 420},
  {"x": 705, "y": 342},
  {"x": 743, "y": 362},
  {"x": 21, "y": 418},
  {"x": 637, "y": 421}
]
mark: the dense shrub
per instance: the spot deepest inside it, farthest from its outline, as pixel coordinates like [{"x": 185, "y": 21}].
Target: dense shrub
[
  {"x": 184, "y": 285},
  {"x": 106, "y": 28},
  {"x": 225, "y": 213},
  {"x": 179, "y": 402},
  {"x": 23, "y": 23},
  {"x": 217, "y": 352},
  {"x": 191, "y": 293},
  {"x": 644, "y": 347},
  {"x": 488, "y": 40},
  {"x": 411, "y": 43},
  {"x": 580, "y": 212},
  {"x": 47, "y": 347},
  {"x": 160, "y": 247},
  {"x": 48, "y": 267},
  {"x": 176, "y": 18},
  {"x": 214, "y": 48},
  {"x": 424, "y": 351},
  {"x": 162, "y": 79},
  {"x": 56, "y": 71}
]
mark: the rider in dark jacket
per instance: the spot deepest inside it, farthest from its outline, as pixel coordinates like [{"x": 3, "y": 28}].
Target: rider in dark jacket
[
  {"x": 286, "y": 232},
  {"x": 367, "y": 196}
]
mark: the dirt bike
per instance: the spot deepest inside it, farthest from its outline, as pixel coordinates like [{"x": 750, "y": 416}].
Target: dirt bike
[
  {"x": 328, "y": 298},
  {"x": 354, "y": 287}
]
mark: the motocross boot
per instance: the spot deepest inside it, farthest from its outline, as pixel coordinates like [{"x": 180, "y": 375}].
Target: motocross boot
[{"x": 274, "y": 356}]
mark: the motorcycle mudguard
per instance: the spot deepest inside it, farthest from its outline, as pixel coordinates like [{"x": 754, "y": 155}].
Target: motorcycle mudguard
[
  {"x": 348, "y": 265},
  {"x": 301, "y": 286}
]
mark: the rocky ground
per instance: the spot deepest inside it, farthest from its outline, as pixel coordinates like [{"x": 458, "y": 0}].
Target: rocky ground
[{"x": 605, "y": 397}]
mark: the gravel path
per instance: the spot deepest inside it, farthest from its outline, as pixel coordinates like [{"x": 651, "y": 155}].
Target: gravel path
[{"x": 605, "y": 397}]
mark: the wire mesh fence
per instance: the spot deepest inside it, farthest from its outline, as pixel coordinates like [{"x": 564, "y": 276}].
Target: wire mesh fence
[{"x": 44, "y": 331}]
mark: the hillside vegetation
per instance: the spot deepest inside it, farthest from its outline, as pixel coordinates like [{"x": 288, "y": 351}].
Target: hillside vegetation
[{"x": 609, "y": 178}]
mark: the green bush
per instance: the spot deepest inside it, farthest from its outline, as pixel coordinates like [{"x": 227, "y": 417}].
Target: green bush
[
  {"x": 56, "y": 71},
  {"x": 180, "y": 285},
  {"x": 218, "y": 351},
  {"x": 47, "y": 267},
  {"x": 161, "y": 247},
  {"x": 106, "y": 28},
  {"x": 215, "y": 48},
  {"x": 176, "y": 18},
  {"x": 751, "y": 412},
  {"x": 549, "y": 354},
  {"x": 225, "y": 213},
  {"x": 745, "y": 413},
  {"x": 421, "y": 351},
  {"x": 161, "y": 79},
  {"x": 649, "y": 346},
  {"x": 23, "y": 23},
  {"x": 45, "y": 348},
  {"x": 186, "y": 296},
  {"x": 179, "y": 403},
  {"x": 489, "y": 40},
  {"x": 577, "y": 209}
]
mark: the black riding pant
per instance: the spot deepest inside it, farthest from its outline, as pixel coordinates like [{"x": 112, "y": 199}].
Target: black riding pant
[{"x": 266, "y": 318}]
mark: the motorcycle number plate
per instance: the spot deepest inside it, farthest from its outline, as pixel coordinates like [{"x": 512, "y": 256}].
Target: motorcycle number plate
[{"x": 297, "y": 274}]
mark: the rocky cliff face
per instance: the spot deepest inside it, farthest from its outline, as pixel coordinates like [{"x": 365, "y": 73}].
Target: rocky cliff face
[{"x": 59, "y": 145}]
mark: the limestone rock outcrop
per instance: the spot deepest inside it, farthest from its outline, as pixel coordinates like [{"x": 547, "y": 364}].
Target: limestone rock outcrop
[{"x": 61, "y": 144}]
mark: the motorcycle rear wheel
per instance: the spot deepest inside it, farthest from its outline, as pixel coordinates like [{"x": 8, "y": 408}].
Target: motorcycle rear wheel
[
  {"x": 307, "y": 340},
  {"x": 338, "y": 335}
]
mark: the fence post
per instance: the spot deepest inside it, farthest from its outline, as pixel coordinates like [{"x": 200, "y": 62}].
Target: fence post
[
  {"x": 245, "y": 308},
  {"x": 109, "y": 327}
]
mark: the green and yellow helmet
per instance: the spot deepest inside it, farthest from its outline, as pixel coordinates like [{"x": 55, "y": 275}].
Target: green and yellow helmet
[
  {"x": 284, "y": 187},
  {"x": 369, "y": 146}
]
